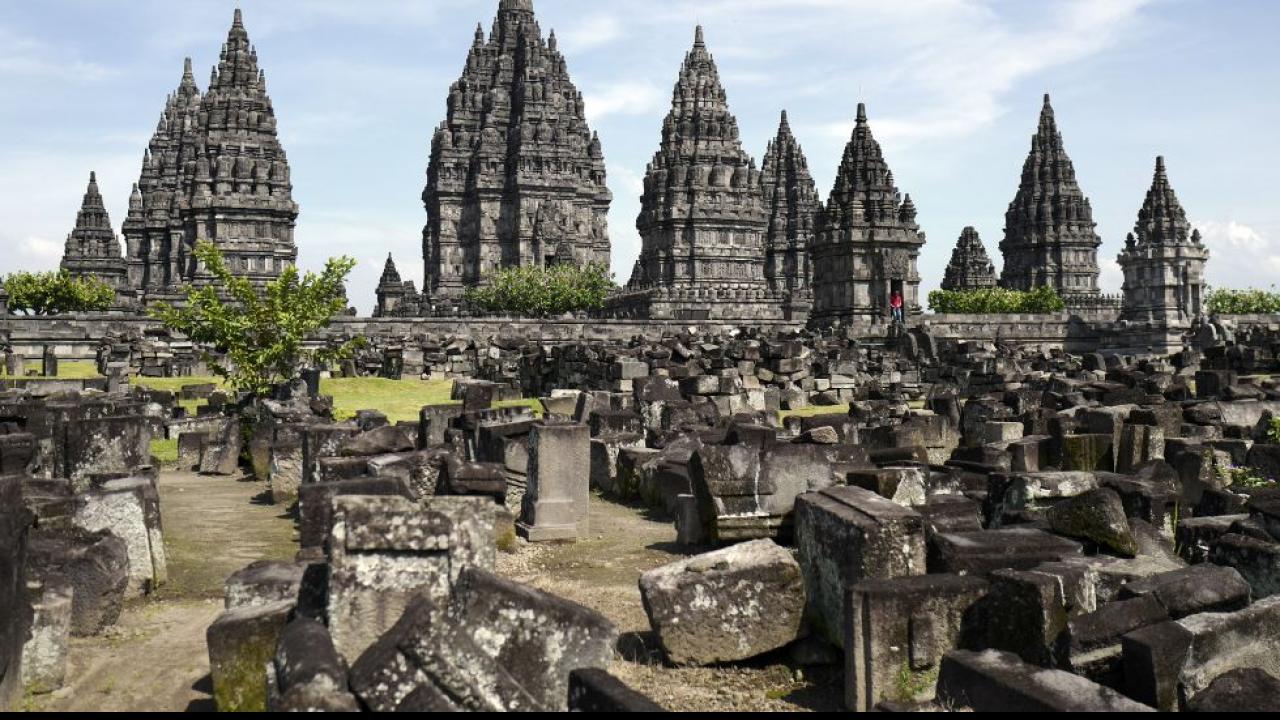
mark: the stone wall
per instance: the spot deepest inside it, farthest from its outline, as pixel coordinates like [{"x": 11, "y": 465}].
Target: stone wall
[{"x": 76, "y": 337}]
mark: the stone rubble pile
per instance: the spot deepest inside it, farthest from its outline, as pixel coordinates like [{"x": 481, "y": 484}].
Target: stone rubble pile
[{"x": 80, "y": 529}]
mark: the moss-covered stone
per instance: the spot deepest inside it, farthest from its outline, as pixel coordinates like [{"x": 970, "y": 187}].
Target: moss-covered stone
[
  {"x": 241, "y": 643},
  {"x": 1098, "y": 516}
]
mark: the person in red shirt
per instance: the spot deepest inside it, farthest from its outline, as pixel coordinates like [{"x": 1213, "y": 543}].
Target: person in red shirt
[{"x": 895, "y": 306}]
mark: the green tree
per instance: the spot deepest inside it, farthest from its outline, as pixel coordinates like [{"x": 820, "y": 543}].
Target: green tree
[
  {"x": 996, "y": 301},
  {"x": 258, "y": 336},
  {"x": 1226, "y": 301},
  {"x": 51, "y": 293},
  {"x": 538, "y": 291}
]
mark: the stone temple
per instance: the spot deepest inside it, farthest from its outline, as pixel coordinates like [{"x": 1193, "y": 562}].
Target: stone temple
[
  {"x": 214, "y": 171},
  {"x": 867, "y": 240},
  {"x": 396, "y": 297},
  {"x": 93, "y": 250},
  {"x": 516, "y": 176},
  {"x": 1163, "y": 263},
  {"x": 702, "y": 220},
  {"x": 970, "y": 267},
  {"x": 1049, "y": 236},
  {"x": 791, "y": 201}
]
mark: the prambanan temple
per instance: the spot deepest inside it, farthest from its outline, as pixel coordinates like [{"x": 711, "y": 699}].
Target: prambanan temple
[{"x": 516, "y": 177}]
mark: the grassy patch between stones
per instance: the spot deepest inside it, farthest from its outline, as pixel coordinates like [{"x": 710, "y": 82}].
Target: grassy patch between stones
[{"x": 166, "y": 451}]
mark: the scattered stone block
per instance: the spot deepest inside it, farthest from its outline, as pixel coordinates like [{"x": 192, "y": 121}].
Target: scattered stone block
[
  {"x": 1096, "y": 516},
  {"x": 896, "y": 632},
  {"x": 848, "y": 534},
  {"x": 556, "y": 499},
  {"x": 44, "y": 655},
  {"x": 979, "y": 553},
  {"x": 726, "y": 605},
  {"x": 994, "y": 681},
  {"x": 385, "y": 550},
  {"x": 242, "y": 642}
]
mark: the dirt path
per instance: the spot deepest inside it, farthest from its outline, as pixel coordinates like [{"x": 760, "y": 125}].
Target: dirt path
[
  {"x": 155, "y": 658},
  {"x": 603, "y": 571}
]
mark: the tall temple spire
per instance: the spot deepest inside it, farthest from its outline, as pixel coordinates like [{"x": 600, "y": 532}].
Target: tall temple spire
[
  {"x": 702, "y": 219},
  {"x": 970, "y": 267},
  {"x": 1049, "y": 230},
  {"x": 92, "y": 248},
  {"x": 791, "y": 205},
  {"x": 516, "y": 177},
  {"x": 867, "y": 240},
  {"x": 1163, "y": 262},
  {"x": 214, "y": 171}
]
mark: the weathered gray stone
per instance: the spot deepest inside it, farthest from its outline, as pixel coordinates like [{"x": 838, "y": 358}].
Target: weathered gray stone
[
  {"x": 1097, "y": 516},
  {"x": 726, "y": 605},
  {"x": 988, "y": 550},
  {"x": 242, "y": 642},
  {"x": 1170, "y": 663},
  {"x": 306, "y": 674},
  {"x": 848, "y": 534},
  {"x": 559, "y": 484},
  {"x": 129, "y": 508},
  {"x": 96, "y": 565},
  {"x": 494, "y": 645},
  {"x": 896, "y": 632},
  {"x": 994, "y": 681},
  {"x": 44, "y": 656},
  {"x": 385, "y": 550},
  {"x": 263, "y": 582}
]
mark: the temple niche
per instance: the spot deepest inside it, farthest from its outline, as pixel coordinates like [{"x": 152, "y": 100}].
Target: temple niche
[
  {"x": 1049, "y": 237},
  {"x": 970, "y": 267},
  {"x": 702, "y": 219},
  {"x": 92, "y": 249},
  {"x": 215, "y": 172},
  {"x": 867, "y": 240},
  {"x": 1163, "y": 262},
  {"x": 516, "y": 177}
]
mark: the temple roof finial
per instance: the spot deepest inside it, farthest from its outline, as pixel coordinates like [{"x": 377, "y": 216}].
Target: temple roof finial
[
  {"x": 862, "y": 113},
  {"x": 698, "y": 39},
  {"x": 237, "y": 20}
]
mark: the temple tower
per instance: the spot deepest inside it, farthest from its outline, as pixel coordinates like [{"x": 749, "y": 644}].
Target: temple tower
[
  {"x": 394, "y": 295},
  {"x": 516, "y": 177},
  {"x": 1163, "y": 261},
  {"x": 92, "y": 249},
  {"x": 153, "y": 228},
  {"x": 867, "y": 240},
  {"x": 791, "y": 206},
  {"x": 970, "y": 267},
  {"x": 1049, "y": 236},
  {"x": 214, "y": 171},
  {"x": 702, "y": 220}
]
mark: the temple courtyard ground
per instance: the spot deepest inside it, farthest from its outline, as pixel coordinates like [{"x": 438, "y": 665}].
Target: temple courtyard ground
[{"x": 155, "y": 658}]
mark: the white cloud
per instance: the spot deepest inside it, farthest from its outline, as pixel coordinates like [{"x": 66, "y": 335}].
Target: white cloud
[
  {"x": 623, "y": 98},
  {"x": 29, "y": 59},
  {"x": 1239, "y": 255},
  {"x": 589, "y": 33}
]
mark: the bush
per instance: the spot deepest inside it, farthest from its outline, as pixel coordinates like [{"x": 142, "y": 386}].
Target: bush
[
  {"x": 51, "y": 293},
  {"x": 1224, "y": 301},
  {"x": 538, "y": 291},
  {"x": 259, "y": 335},
  {"x": 996, "y": 301}
]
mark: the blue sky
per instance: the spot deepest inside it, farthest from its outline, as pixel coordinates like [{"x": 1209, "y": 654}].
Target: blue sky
[{"x": 953, "y": 91}]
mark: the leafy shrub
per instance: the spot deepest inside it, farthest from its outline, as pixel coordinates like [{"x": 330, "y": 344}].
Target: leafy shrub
[
  {"x": 51, "y": 293},
  {"x": 260, "y": 335},
  {"x": 1226, "y": 301},
  {"x": 996, "y": 301},
  {"x": 539, "y": 291}
]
